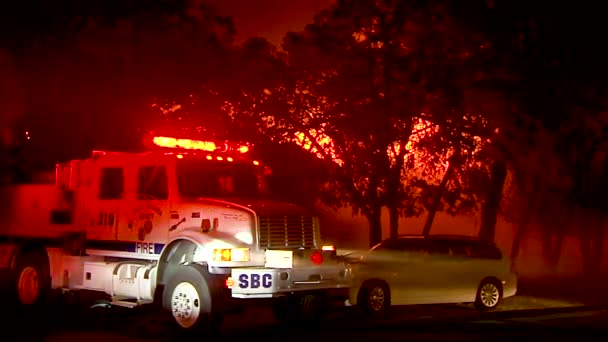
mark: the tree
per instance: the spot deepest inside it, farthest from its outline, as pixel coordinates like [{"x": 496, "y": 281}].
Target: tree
[
  {"x": 356, "y": 92},
  {"x": 556, "y": 68}
]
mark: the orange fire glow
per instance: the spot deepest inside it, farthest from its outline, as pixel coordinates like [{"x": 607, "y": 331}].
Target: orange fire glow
[{"x": 322, "y": 140}]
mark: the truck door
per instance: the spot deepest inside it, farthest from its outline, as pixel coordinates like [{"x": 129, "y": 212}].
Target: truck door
[
  {"x": 105, "y": 202},
  {"x": 146, "y": 218}
]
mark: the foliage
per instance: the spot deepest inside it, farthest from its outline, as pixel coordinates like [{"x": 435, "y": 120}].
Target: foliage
[{"x": 373, "y": 89}]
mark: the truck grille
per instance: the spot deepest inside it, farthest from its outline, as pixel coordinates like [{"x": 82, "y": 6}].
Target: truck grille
[{"x": 288, "y": 231}]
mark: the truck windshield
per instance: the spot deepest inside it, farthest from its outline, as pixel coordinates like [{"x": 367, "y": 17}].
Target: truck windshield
[{"x": 209, "y": 178}]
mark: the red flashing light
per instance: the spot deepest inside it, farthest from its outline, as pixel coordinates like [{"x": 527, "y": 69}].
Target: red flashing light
[
  {"x": 189, "y": 144},
  {"x": 209, "y": 157},
  {"x": 185, "y": 143},
  {"x": 316, "y": 258},
  {"x": 220, "y": 158},
  {"x": 229, "y": 159},
  {"x": 255, "y": 162}
]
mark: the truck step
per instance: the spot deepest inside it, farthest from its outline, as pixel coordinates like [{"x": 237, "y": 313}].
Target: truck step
[{"x": 129, "y": 303}]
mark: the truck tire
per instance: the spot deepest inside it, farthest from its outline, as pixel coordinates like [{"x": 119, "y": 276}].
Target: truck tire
[
  {"x": 32, "y": 279},
  {"x": 188, "y": 298},
  {"x": 296, "y": 309}
]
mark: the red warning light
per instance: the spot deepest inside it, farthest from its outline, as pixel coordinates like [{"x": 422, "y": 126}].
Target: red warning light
[
  {"x": 316, "y": 257},
  {"x": 201, "y": 145},
  {"x": 185, "y": 144}
]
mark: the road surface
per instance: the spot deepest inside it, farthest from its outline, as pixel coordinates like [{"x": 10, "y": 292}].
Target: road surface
[{"x": 413, "y": 323}]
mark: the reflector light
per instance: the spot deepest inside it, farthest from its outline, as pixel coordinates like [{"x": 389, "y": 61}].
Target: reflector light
[
  {"x": 316, "y": 258},
  {"x": 234, "y": 254},
  {"x": 240, "y": 254},
  {"x": 229, "y": 282},
  {"x": 185, "y": 143},
  {"x": 226, "y": 255}
]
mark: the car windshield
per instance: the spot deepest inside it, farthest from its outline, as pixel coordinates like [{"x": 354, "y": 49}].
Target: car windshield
[
  {"x": 406, "y": 244},
  {"x": 210, "y": 178}
]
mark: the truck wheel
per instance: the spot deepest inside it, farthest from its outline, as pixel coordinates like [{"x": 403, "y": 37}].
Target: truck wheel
[
  {"x": 295, "y": 309},
  {"x": 285, "y": 310},
  {"x": 188, "y": 298},
  {"x": 32, "y": 279}
]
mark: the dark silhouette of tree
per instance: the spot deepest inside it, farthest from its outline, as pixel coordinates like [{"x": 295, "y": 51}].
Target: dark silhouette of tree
[
  {"x": 355, "y": 91},
  {"x": 547, "y": 61}
]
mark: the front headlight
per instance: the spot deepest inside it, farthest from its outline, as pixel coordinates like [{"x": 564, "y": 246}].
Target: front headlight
[{"x": 231, "y": 254}]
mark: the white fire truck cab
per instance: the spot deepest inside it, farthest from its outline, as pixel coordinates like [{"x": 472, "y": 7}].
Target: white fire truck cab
[{"x": 189, "y": 226}]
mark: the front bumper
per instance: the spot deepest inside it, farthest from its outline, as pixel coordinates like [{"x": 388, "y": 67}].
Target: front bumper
[{"x": 262, "y": 282}]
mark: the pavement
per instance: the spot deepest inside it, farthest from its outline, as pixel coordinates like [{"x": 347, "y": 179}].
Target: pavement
[
  {"x": 555, "y": 308},
  {"x": 589, "y": 290}
]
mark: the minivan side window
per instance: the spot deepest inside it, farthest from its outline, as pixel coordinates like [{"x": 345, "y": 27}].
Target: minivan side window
[
  {"x": 460, "y": 248},
  {"x": 438, "y": 247},
  {"x": 485, "y": 251},
  {"x": 153, "y": 183},
  {"x": 111, "y": 183},
  {"x": 402, "y": 245}
]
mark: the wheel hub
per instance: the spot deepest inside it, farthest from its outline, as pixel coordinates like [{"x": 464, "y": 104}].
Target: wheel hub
[
  {"x": 489, "y": 295},
  {"x": 28, "y": 285},
  {"x": 185, "y": 304},
  {"x": 376, "y": 298}
]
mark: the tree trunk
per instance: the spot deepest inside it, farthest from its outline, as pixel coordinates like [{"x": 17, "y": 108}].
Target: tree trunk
[
  {"x": 491, "y": 206},
  {"x": 437, "y": 200},
  {"x": 393, "y": 188},
  {"x": 521, "y": 228},
  {"x": 375, "y": 226},
  {"x": 553, "y": 239},
  {"x": 393, "y": 213},
  {"x": 591, "y": 242}
]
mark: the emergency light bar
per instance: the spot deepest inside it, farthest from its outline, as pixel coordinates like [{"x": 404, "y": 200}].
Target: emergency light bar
[
  {"x": 189, "y": 144},
  {"x": 184, "y": 143}
]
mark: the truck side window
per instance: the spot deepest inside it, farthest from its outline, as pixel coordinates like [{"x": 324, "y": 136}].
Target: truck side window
[
  {"x": 153, "y": 183},
  {"x": 111, "y": 183}
]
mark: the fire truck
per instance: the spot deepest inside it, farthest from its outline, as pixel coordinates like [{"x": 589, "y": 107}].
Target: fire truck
[{"x": 188, "y": 225}]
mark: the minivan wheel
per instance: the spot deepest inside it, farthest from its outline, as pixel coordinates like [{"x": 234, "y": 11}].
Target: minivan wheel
[
  {"x": 489, "y": 295},
  {"x": 374, "y": 298}
]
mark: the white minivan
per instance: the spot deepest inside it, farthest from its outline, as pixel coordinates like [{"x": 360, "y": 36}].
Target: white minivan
[{"x": 431, "y": 270}]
